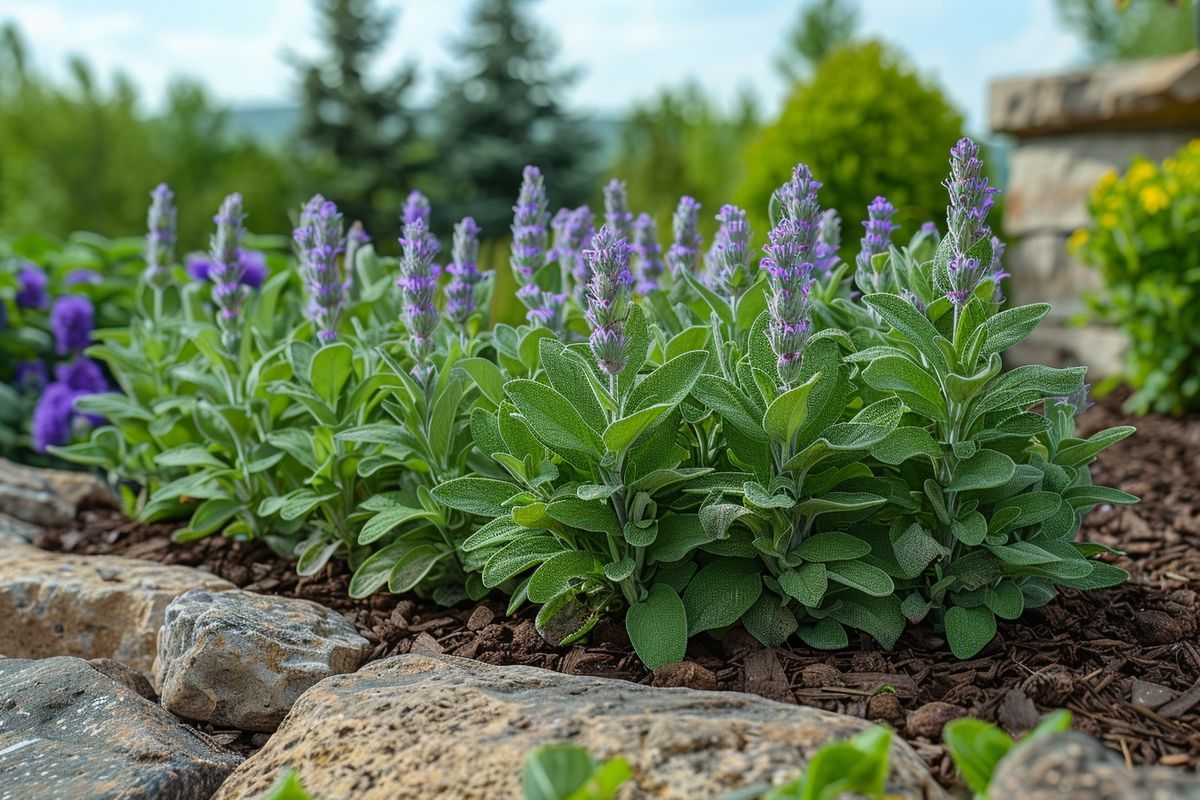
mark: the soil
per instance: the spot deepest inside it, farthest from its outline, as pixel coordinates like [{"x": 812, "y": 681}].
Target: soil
[{"x": 1125, "y": 661}]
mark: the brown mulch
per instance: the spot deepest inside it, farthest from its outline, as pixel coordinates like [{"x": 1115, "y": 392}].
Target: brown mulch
[{"x": 1126, "y": 660}]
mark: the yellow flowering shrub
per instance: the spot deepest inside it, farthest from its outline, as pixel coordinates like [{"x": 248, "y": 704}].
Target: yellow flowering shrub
[{"x": 1144, "y": 240}]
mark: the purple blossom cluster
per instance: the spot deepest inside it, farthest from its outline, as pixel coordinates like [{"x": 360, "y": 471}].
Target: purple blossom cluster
[
  {"x": 966, "y": 220},
  {"x": 650, "y": 265},
  {"x": 790, "y": 278},
  {"x": 573, "y": 231},
  {"x": 798, "y": 199},
  {"x": 32, "y": 287},
  {"x": 683, "y": 256},
  {"x": 416, "y": 207},
  {"x": 418, "y": 287},
  {"x": 729, "y": 257},
  {"x": 464, "y": 271},
  {"x": 71, "y": 321},
  {"x": 877, "y": 238},
  {"x": 616, "y": 209},
  {"x": 609, "y": 298},
  {"x": 160, "y": 237},
  {"x": 252, "y": 263},
  {"x": 320, "y": 238},
  {"x": 530, "y": 237},
  {"x": 55, "y": 418},
  {"x": 226, "y": 271},
  {"x": 829, "y": 240}
]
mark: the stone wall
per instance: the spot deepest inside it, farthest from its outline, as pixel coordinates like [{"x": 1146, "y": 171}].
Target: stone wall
[{"x": 1069, "y": 130}]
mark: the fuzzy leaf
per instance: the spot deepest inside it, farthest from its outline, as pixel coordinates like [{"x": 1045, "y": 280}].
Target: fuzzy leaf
[
  {"x": 968, "y": 630},
  {"x": 481, "y": 496},
  {"x": 658, "y": 627},
  {"x": 720, "y": 593}
]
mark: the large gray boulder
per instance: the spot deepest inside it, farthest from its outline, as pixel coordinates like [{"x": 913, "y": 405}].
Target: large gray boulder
[
  {"x": 242, "y": 659},
  {"x": 1073, "y": 766},
  {"x": 49, "y": 497},
  {"x": 445, "y": 727},
  {"x": 67, "y": 731},
  {"x": 55, "y": 604}
]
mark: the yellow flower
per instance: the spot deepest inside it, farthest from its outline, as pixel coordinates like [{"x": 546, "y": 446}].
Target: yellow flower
[
  {"x": 1109, "y": 178},
  {"x": 1078, "y": 239},
  {"x": 1154, "y": 199},
  {"x": 1140, "y": 172},
  {"x": 1108, "y": 221}
]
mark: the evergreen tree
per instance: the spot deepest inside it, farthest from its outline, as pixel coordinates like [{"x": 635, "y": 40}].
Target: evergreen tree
[
  {"x": 502, "y": 110},
  {"x": 363, "y": 134},
  {"x": 822, "y": 27}
]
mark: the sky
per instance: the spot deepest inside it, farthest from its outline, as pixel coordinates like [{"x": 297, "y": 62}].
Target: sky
[{"x": 626, "y": 49}]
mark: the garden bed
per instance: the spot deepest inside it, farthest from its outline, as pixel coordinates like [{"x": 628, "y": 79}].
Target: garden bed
[{"x": 1086, "y": 651}]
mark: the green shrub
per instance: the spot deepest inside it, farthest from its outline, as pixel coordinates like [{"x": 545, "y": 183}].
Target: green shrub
[
  {"x": 866, "y": 124},
  {"x": 1144, "y": 241}
]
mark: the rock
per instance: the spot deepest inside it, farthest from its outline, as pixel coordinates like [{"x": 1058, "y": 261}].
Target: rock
[
  {"x": 127, "y": 676},
  {"x": 50, "y": 498},
  {"x": 886, "y": 708},
  {"x": 439, "y": 726},
  {"x": 1072, "y": 766},
  {"x": 480, "y": 618},
  {"x": 817, "y": 676},
  {"x": 929, "y": 719},
  {"x": 53, "y": 604},
  {"x": 1161, "y": 92},
  {"x": 241, "y": 659},
  {"x": 1150, "y": 695},
  {"x": 69, "y": 731},
  {"x": 17, "y": 531},
  {"x": 1158, "y": 627},
  {"x": 688, "y": 673}
]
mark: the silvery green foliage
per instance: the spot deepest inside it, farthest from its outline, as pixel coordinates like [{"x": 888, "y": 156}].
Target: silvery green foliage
[{"x": 796, "y": 456}]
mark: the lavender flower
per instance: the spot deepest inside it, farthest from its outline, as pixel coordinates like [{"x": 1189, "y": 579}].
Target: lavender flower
[
  {"x": 463, "y": 267},
  {"x": 551, "y": 313},
  {"x": 609, "y": 297},
  {"x": 684, "y": 254},
  {"x": 798, "y": 200},
  {"x": 418, "y": 285},
  {"x": 876, "y": 239},
  {"x": 790, "y": 279},
  {"x": 83, "y": 276},
  {"x": 321, "y": 240},
  {"x": 829, "y": 240},
  {"x": 530, "y": 235},
  {"x": 31, "y": 292},
  {"x": 226, "y": 270},
  {"x": 997, "y": 273},
  {"x": 729, "y": 257},
  {"x": 616, "y": 209},
  {"x": 966, "y": 220},
  {"x": 31, "y": 377},
  {"x": 71, "y": 321},
  {"x": 81, "y": 375},
  {"x": 416, "y": 207},
  {"x": 929, "y": 228},
  {"x": 51, "y": 423},
  {"x": 355, "y": 238},
  {"x": 160, "y": 237},
  {"x": 573, "y": 231},
  {"x": 253, "y": 264},
  {"x": 648, "y": 252}
]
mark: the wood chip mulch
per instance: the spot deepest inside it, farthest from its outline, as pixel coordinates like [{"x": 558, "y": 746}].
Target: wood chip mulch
[{"x": 1126, "y": 660}]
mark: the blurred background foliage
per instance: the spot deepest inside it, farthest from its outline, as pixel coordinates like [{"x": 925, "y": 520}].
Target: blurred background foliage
[{"x": 82, "y": 154}]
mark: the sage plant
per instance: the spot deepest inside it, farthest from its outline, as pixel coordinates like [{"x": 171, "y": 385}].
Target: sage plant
[
  {"x": 321, "y": 241},
  {"x": 225, "y": 250},
  {"x": 966, "y": 223}
]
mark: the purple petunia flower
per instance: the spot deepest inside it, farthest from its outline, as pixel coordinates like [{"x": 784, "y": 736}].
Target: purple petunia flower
[
  {"x": 729, "y": 258},
  {"x": 609, "y": 298},
  {"x": 32, "y": 290},
  {"x": 83, "y": 276},
  {"x": 160, "y": 237},
  {"x": 790, "y": 279},
  {"x": 320, "y": 240},
  {"x": 684, "y": 253},
  {"x": 418, "y": 285},
  {"x": 31, "y": 377},
  {"x": 877, "y": 238},
  {"x": 226, "y": 270},
  {"x": 649, "y": 254},
  {"x": 71, "y": 320},
  {"x": 464, "y": 271}
]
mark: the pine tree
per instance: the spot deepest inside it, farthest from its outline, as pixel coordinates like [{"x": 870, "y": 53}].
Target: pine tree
[
  {"x": 363, "y": 134},
  {"x": 501, "y": 111}
]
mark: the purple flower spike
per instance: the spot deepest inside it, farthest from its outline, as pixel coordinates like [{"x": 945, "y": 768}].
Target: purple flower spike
[
  {"x": 997, "y": 273},
  {"x": 416, "y": 207},
  {"x": 32, "y": 287},
  {"x": 321, "y": 240},
  {"x": 31, "y": 377},
  {"x": 573, "y": 231},
  {"x": 83, "y": 276},
  {"x": 51, "y": 423},
  {"x": 648, "y": 252},
  {"x": 790, "y": 279},
  {"x": 798, "y": 199},
  {"x": 253, "y": 264},
  {"x": 355, "y": 238},
  {"x": 81, "y": 375},
  {"x": 160, "y": 237},
  {"x": 684, "y": 254},
  {"x": 616, "y": 209},
  {"x": 729, "y": 258},
  {"x": 929, "y": 228},
  {"x": 829, "y": 240},
  {"x": 966, "y": 219},
  {"x": 464, "y": 271},
  {"x": 225, "y": 271},
  {"x": 876, "y": 239},
  {"x": 609, "y": 298},
  {"x": 418, "y": 286},
  {"x": 530, "y": 237},
  {"x": 71, "y": 321}
]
